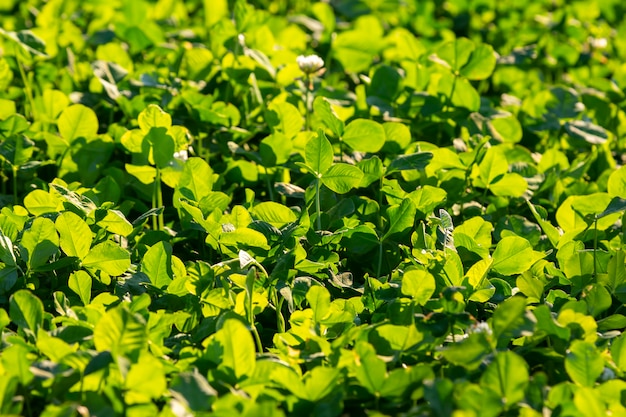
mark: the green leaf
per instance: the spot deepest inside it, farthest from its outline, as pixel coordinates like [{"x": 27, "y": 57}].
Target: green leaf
[
  {"x": 417, "y": 161},
  {"x": 583, "y": 363},
  {"x": 16, "y": 361},
  {"x": 77, "y": 121},
  {"x": 159, "y": 146},
  {"x": 589, "y": 403},
  {"x": 284, "y": 118},
  {"x": 355, "y": 49},
  {"x": 232, "y": 348},
  {"x": 509, "y": 185},
  {"x": 157, "y": 264},
  {"x": 369, "y": 369},
  {"x": 514, "y": 255},
  {"x": 144, "y": 173},
  {"x": 505, "y": 128},
  {"x": 319, "y": 300},
  {"x": 275, "y": 150},
  {"x": 507, "y": 376},
  {"x": 107, "y": 257},
  {"x": 493, "y": 166},
  {"x": 481, "y": 64},
  {"x": 145, "y": 380},
  {"x": 153, "y": 116},
  {"x": 577, "y": 211},
  {"x": 616, "y": 186},
  {"x": 373, "y": 170},
  {"x": 39, "y": 242},
  {"x": 193, "y": 388},
  {"x": 319, "y": 382},
  {"x": 115, "y": 222},
  {"x": 273, "y": 213},
  {"x": 318, "y": 153},
  {"x": 214, "y": 11},
  {"x": 510, "y": 320},
  {"x": 401, "y": 219},
  {"x": 454, "y": 54},
  {"x": 587, "y": 131},
  {"x": 617, "y": 205},
  {"x": 341, "y": 177},
  {"x": 7, "y": 252},
  {"x": 80, "y": 283},
  {"x": 121, "y": 332},
  {"x": 196, "y": 181},
  {"x": 551, "y": 232},
  {"x": 597, "y": 298},
  {"x": 26, "y": 310},
  {"x": 419, "y": 285},
  {"x": 360, "y": 239},
  {"x": 327, "y": 115},
  {"x": 468, "y": 353},
  {"x": 463, "y": 94},
  {"x": 546, "y": 323},
  {"x": 75, "y": 235},
  {"x": 39, "y": 202},
  {"x": 364, "y": 135},
  {"x": 618, "y": 351}
]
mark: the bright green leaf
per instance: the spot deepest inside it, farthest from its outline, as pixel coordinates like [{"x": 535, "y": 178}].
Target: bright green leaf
[
  {"x": 318, "y": 153},
  {"x": 507, "y": 376},
  {"x": 364, "y": 135},
  {"x": 157, "y": 264},
  {"x": 75, "y": 235},
  {"x": 341, "y": 177},
  {"x": 80, "y": 283},
  {"x": 419, "y": 285},
  {"x": 26, "y": 310},
  {"x": 107, "y": 257},
  {"x": 583, "y": 363},
  {"x": 78, "y": 121},
  {"x": 514, "y": 255}
]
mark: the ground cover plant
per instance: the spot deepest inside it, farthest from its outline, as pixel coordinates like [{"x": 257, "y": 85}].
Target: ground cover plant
[{"x": 297, "y": 208}]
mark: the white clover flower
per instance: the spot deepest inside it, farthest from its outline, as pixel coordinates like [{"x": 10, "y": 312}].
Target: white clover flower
[
  {"x": 310, "y": 64},
  {"x": 480, "y": 327},
  {"x": 182, "y": 155},
  {"x": 598, "y": 43}
]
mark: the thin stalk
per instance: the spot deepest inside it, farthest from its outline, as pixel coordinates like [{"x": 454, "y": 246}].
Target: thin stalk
[
  {"x": 307, "y": 101},
  {"x": 317, "y": 204},
  {"x": 380, "y": 204},
  {"x": 278, "y": 304},
  {"x": 27, "y": 88},
  {"x": 155, "y": 221},
  {"x": 269, "y": 185},
  {"x": 595, "y": 248},
  {"x": 280, "y": 320},
  {"x": 257, "y": 339},
  {"x": 380, "y": 259},
  {"x": 160, "y": 200},
  {"x": 14, "y": 169},
  {"x": 4, "y": 178}
]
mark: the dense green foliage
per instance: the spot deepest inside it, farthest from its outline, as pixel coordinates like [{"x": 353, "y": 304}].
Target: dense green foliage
[{"x": 431, "y": 225}]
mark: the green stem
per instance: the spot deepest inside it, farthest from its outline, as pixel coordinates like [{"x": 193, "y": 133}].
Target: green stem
[
  {"x": 317, "y": 204},
  {"x": 4, "y": 178},
  {"x": 595, "y": 248},
  {"x": 257, "y": 339},
  {"x": 269, "y": 185},
  {"x": 160, "y": 200},
  {"x": 380, "y": 259},
  {"x": 27, "y": 88},
  {"x": 14, "y": 169},
  {"x": 307, "y": 101},
  {"x": 280, "y": 320}
]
